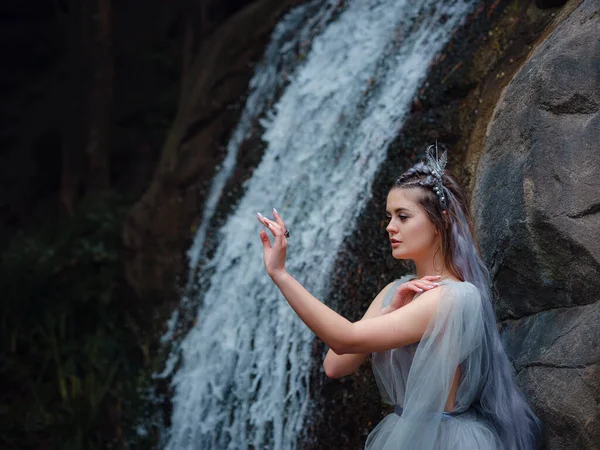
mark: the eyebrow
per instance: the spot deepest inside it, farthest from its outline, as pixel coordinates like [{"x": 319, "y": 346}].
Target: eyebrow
[{"x": 400, "y": 209}]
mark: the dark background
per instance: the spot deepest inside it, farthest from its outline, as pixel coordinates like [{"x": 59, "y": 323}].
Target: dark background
[{"x": 89, "y": 89}]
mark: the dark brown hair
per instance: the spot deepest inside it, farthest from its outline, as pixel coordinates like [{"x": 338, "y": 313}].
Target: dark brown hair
[{"x": 420, "y": 176}]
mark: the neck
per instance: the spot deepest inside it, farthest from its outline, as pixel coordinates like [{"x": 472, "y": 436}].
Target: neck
[{"x": 430, "y": 266}]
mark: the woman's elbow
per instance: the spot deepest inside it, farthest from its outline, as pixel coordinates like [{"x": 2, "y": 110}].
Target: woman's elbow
[
  {"x": 348, "y": 346},
  {"x": 332, "y": 370},
  {"x": 332, "y": 366},
  {"x": 341, "y": 349}
]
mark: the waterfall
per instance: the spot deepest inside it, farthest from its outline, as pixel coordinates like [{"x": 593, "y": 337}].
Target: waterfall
[{"x": 244, "y": 378}]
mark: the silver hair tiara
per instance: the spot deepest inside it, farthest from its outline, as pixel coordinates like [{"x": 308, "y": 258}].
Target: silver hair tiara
[{"x": 436, "y": 166}]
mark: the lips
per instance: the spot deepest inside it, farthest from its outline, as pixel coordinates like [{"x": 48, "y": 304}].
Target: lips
[{"x": 395, "y": 241}]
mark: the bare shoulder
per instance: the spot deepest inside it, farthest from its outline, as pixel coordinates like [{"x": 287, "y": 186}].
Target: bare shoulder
[
  {"x": 378, "y": 301},
  {"x": 389, "y": 286},
  {"x": 386, "y": 288}
]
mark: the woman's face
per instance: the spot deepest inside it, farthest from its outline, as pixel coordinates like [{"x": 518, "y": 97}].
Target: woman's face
[{"x": 409, "y": 224}]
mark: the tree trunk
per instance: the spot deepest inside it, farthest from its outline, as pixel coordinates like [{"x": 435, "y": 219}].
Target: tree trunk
[
  {"x": 97, "y": 129},
  {"x": 89, "y": 91},
  {"x": 72, "y": 160}
]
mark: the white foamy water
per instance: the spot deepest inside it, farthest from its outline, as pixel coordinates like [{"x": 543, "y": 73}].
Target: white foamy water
[
  {"x": 293, "y": 30},
  {"x": 246, "y": 364}
]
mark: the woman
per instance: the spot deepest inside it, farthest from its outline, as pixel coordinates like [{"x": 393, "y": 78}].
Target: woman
[{"x": 436, "y": 351}]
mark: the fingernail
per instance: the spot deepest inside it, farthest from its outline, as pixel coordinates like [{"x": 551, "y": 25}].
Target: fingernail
[
  {"x": 275, "y": 210},
  {"x": 438, "y": 276},
  {"x": 260, "y": 215},
  {"x": 421, "y": 290}
]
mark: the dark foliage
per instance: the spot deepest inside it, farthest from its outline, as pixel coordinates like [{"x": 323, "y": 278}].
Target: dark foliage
[{"x": 73, "y": 369}]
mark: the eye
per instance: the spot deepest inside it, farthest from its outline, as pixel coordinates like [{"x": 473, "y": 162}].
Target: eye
[{"x": 403, "y": 217}]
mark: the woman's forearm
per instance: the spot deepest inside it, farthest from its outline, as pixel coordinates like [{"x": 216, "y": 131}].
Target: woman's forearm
[{"x": 328, "y": 325}]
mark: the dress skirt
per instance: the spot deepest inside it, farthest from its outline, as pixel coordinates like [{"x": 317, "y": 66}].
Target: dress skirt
[{"x": 465, "y": 431}]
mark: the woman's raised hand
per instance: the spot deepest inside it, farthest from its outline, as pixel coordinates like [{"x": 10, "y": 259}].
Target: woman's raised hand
[
  {"x": 274, "y": 255},
  {"x": 406, "y": 291}
]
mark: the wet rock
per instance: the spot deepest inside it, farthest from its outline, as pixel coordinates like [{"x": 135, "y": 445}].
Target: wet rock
[
  {"x": 537, "y": 193},
  {"x": 564, "y": 337},
  {"x": 567, "y": 399},
  {"x": 537, "y": 205},
  {"x": 543, "y": 4}
]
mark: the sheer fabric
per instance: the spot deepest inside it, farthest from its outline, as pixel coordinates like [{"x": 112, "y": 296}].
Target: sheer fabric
[{"x": 418, "y": 378}]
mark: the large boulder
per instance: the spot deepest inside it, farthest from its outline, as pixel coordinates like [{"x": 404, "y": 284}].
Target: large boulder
[
  {"x": 557, "y": 357},
  {"x": 537, "y": 214}
]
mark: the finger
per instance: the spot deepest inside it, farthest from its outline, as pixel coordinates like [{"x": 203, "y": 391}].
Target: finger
[
  {"x": 262, "y": 219},
  {"x": 278, "y": 219},
  {"x": 416, "y": 288},
  {"x": 426, "y": 284},
  {"x": 265, "y": 239},
  {"x": 275, "y": 230},
  {"x": 410, "y": 286},
  {"x": 272, "y": 226},
  {"x": 419, "y": 287},
  {"x": 280, "y": 239}
]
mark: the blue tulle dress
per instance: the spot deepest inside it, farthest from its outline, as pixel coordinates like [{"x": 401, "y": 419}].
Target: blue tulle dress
[{"x": 417, "y": 379}]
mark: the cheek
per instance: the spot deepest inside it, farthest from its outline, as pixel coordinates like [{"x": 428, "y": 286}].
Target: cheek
[
  {"x": 420, "y": 232},
  {"x": 413, "y": 228}
]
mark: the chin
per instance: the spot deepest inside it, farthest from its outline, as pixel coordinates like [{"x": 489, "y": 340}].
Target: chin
[{"x": 399, "y": 255}]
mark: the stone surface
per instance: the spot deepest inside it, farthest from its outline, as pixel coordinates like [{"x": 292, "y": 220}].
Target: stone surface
[
  {"x": 537, "y": 215},
  {"x": 537, "y": 195},
  {"x": 567, "y": 400},
  {"x": 563, "y": 337},
  {"x": 557, "y": 357},
  {"x": 543, "y": 4}
]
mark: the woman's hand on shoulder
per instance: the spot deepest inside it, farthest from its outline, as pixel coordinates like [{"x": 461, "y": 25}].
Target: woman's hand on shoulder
[{"x": 406, "y": 291}]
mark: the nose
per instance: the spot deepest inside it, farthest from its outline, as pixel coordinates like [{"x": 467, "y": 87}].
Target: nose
[{"x": 391, "y": 227}]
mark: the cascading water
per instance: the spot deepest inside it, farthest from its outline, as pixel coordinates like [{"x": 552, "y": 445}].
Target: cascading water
[
  {"x": 279, "y": 57},
  {"x": 244, "y": 378},
  {"x": 294, "y": 32}
]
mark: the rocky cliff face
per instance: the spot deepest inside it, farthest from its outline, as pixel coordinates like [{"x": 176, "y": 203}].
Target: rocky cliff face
[{"x": 537, "y": 199}]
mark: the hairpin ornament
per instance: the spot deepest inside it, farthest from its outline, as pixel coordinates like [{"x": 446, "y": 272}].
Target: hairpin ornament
[{"x": 436, "y": 166}]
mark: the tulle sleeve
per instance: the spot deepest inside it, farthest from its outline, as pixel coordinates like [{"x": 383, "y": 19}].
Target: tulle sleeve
[{"x": 453, "y": 337}]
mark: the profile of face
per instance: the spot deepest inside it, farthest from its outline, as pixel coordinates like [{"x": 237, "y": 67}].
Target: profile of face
[{"x": 410, "y": 225}]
